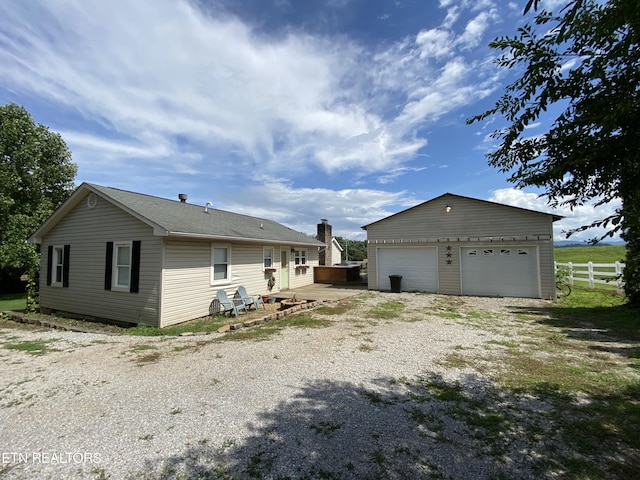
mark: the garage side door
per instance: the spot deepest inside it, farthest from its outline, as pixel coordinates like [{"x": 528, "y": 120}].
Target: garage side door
[
  {"x": 500, "y": 271},
  {"x": 417, "y": 265}
]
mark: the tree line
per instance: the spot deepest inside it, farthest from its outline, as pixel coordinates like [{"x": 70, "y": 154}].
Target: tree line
[{"x": 352, "y": 250}]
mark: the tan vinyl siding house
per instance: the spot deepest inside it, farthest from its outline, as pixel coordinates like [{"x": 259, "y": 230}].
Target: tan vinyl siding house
[
  {"x": 187, "y": 288},
  {"x": 464, "y": 246},
  {"x": 109, "y": 254}
]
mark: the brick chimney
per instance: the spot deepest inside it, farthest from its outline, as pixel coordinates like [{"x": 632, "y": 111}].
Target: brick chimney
[{"x": 325, "y": 236}]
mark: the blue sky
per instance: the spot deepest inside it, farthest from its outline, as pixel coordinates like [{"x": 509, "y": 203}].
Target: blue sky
[{"x": 296, "y": 110}]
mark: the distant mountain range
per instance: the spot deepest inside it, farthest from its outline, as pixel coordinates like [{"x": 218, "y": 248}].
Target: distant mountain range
[{"x": 573, "y": 243}]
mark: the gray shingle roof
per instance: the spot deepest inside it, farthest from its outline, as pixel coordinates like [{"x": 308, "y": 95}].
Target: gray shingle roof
[
  {"x": 176, "y": 217},
  {"x": 172, "y": 217}
]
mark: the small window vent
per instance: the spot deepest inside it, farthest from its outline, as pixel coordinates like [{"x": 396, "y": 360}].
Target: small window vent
[{"x": 92, "y": 200}]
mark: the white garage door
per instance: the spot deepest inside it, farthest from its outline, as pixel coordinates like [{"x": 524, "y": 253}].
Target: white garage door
[
  {"x": 417, "y": 265},
  {"x": 500, "y": 271}
]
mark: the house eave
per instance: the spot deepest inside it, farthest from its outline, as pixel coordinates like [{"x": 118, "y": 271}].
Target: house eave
[
  {"x": 232, "y": 239},
  {"x": 35, "y": 239}
]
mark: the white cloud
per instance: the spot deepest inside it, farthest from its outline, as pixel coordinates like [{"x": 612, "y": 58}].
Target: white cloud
[
  {"x": 552, "y": 5},
  {"x": 453, "y": 14},
  {"x": 470, "y": 4},
  {"x": 435, "y": 43},
  {"x": 170, "y": 92},
  {"x": 152, "y": 73},
  {"x": 488, "y": 143},
  {"x": 302, "y": 208},
  {"x": 114, "y": 148},
  {"x": 475, "y": 29},
  {"x": 393, "y": 174},
  {"x": 447, "y": 91},
  {"x": 579, "y": 216}
]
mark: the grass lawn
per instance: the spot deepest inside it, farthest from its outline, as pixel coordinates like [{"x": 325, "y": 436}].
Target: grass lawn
[
  {"x": 13, "y": 301},
  {"x": 596, "y": 254},
  {"x": 205, "y": 324},
  {"x": 18, "y": 302}
]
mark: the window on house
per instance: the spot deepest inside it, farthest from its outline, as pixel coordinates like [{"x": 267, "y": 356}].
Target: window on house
[
  {"x": 58, "y": 271},
  {"x": 522, "y": 251},
  {"x": 220, "y": 264},
  {"x": 472, "y": 253},
  {"x": 267, "y": 256},
  {"x": 122, "y": 265},
  {"x": 487, "y": 252},
  {"x": 505, "y": 252},
  {"x": 58, "y": 256},
  {"x": 300, "y": 257}
]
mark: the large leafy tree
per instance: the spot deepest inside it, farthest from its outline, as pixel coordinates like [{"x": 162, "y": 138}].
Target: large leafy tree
[
  {"x": 36, "y": 176},
  {"x": 583, "y": 62},
  {"x": 354, "y": 250}
]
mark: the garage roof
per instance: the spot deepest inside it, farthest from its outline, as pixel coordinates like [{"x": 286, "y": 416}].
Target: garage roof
[{"x": 554, "y": 216}]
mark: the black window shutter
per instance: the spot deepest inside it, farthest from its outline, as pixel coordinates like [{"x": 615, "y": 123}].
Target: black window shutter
[
  {"x": 135, "y": 267},
  {"x": 48, "y": 261},
  {"x": 108, "y": 266},
  {"x": 65, "y": 266}
]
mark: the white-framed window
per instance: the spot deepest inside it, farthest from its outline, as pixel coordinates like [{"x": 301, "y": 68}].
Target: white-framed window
[
  {"x": 472, "y": 253},
  {"x": 220, "y": 264},
  {"x": 487, "y": 252},
  {"x": 300, "y": 257},
  {"x": 57, "y": 266},
  {"x": 122, "y": 265},
  {"x": 523, "y": 251},
  {"x": 505, "y": 252},
  {"x": 267, "y": 257}
]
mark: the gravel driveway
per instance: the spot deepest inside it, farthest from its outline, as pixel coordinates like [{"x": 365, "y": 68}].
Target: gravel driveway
[{"x": 356, "y": 399}]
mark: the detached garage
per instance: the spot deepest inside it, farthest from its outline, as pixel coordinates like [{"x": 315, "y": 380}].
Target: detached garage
[{"x": 464, "y": 246}]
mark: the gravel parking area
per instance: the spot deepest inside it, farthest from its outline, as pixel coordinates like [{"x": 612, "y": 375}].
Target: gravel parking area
[{"x": 371, "y": 395}]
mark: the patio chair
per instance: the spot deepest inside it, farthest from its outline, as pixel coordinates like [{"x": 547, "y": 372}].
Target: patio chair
[
  {"x": 249, "y": 300},
  {"x": 227, "y": 305}
]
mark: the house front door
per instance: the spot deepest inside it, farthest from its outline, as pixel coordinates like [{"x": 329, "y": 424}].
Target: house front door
[{"x": 284, "y": 268}]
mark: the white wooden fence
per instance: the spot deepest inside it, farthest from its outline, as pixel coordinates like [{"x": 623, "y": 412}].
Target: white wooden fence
[{"x": 592, "y": 273}]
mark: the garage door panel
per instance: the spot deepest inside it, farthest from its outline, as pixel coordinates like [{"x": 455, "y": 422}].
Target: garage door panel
[
  {"x": 417, "y": 265},
  {"x": 496, "y": 271}
]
